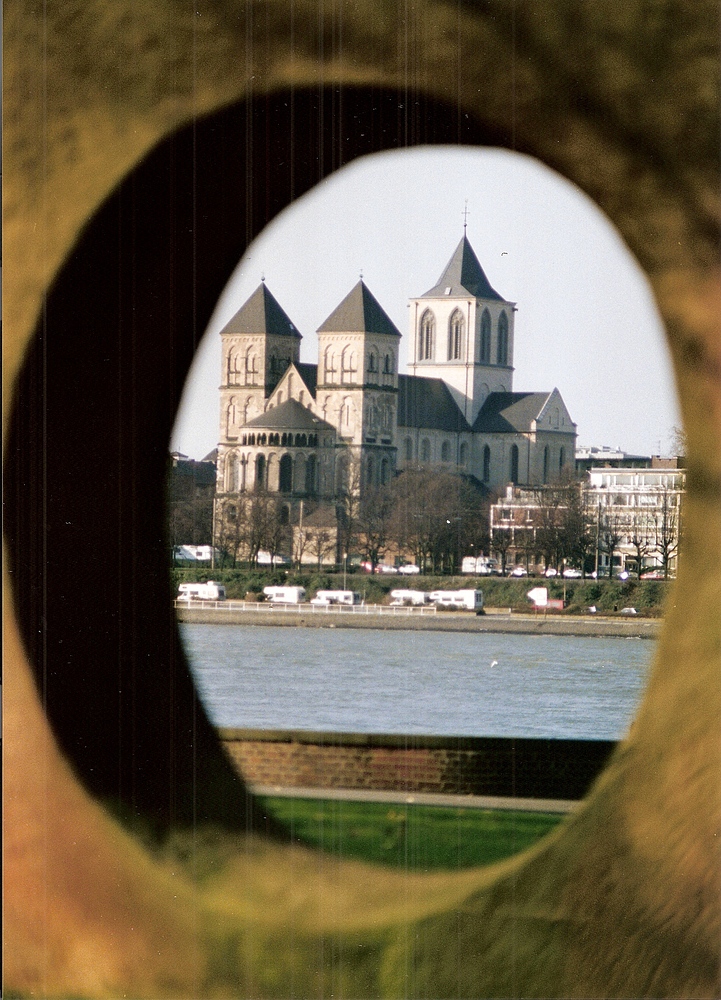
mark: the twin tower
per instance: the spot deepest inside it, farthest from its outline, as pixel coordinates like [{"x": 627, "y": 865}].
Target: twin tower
[{"x": 308, "y": 430}]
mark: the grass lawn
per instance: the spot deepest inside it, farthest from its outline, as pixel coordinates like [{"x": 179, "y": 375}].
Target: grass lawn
[{"x": 422, "y": 838}]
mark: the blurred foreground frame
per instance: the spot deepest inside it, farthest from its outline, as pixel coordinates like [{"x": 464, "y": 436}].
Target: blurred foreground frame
[{"x": 623, "y": 901}]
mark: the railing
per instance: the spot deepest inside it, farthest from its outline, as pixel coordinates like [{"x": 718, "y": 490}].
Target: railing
[{"x": 316, "y": 609}]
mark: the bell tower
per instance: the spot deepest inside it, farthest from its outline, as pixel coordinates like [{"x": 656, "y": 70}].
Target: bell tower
[
  {"x": 357, "y": 387},
  {"x": 258, "y": 344},
  {"x": 461, "y": 331}
]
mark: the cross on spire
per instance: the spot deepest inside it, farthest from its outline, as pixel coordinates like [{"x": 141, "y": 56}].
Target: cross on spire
[{"x": 466, "y": 213}]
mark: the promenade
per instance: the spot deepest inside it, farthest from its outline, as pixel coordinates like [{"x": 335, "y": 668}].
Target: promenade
[{"x": 385, "y": 618}]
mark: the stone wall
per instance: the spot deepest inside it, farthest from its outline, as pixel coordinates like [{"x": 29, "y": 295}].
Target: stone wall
[{"x": 528, "y": 768}]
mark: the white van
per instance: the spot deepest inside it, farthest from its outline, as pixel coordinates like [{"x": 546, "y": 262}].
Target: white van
[
  {"x": 210, "y": 591},
  {"x": 463, "y": 600},
  {"x": 400, "y": 598},
  {"x": 479, "y": 566},
  {"x": 285, "y": 595},
  {"x": 348, "y": 597}
]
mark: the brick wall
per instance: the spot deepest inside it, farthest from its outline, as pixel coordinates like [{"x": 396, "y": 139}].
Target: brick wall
[{"x": 559, "y": 769}]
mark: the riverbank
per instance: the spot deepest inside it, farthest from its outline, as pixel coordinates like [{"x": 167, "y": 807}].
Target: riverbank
[{"x": 493, "y": 621}]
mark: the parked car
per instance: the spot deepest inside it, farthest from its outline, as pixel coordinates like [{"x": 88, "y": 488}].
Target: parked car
[
  {"x": 654, "y": 574},
  {"x": 518, "y": 571},
  {"x": 626, "y": 574},
  {"x": 629, "y": 611},
  {"x": 409, "y": 569},
  {"x": 572, "y": 574},
  {"x": 385, "y": 568},
  {"x": 551, "y": 572}
]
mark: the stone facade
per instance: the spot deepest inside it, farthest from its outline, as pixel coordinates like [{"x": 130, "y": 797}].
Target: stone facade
[{"x": 355, "y": 421}]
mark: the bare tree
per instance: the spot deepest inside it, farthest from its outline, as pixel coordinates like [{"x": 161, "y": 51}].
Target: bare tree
[
  {"x": 667, "y": 528},
  {"x": 436, "y": 516},
  {"x": 374, "y": 518},
  {"x": 501, "y": 542},
  {"x": 609, "y": 533},
  {"x": 320, "y": 543},
  {"x": 348, "y": 500},
  {"x": 641, "y": 539}
]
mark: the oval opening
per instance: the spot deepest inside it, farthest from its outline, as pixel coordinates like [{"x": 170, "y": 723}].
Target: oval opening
[{"x": 479, "y": 365}]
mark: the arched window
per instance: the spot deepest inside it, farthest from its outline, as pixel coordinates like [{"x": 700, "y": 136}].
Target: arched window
[
  {"x": 331, "y": 372},
  {"x": 561, "y": 459},
  {"x": 464, "y": 454},
  {"x": 349, "y": 366},
  {"x": 425, "y": 450},
  {"x": 502, "y": 353},
  {"x": 385, "y": 467},
  {"x": 426, "y": 336},
  {"x": 251, "y": 367},
  {"x": 231, "y": 473},
  {"x": 373, "y": 366},
  {"x": 234, "y": 366},
  {"x": 300, "y": 440},
  {"x": 409, "y": 449},
  {"x": 260, "y": 472},
  {"x": 387, "y": 370},
  {"x": 446, "y": 451},
  {"x": 311, "y": 476},
  {"x": 456, "y": 326},
  {"x": 486, "y": 464},
  {"x": 345, "y": 416},
  {"x": 486, "y": 338},
  {"x": 299, "y": 468},
  {"x": 545, "y": 464},
  {"x": 514, "y": 463},
  {"x": 231, "y": 417},
  {"x": 370, "y": 471},
  {"x": 285, "y": 482},
  {"x": 285, "y": 514}
]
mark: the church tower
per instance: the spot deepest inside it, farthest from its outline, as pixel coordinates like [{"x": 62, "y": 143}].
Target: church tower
[
  {"x": 258, "y": 344},
  {"x": 461, "y": 331},
  {"x": 357, "y": 389}
]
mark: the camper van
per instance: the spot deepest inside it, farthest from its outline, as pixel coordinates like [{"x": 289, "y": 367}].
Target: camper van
[
  {"x": 401, "y": 598},
  {"x": 479, "y": 566},
  {"x": 463, "y": 600},
  {"x": 326, "y": 597},
  {"x": 284, "y": 595},
  {"x": 209, "y": 591}
]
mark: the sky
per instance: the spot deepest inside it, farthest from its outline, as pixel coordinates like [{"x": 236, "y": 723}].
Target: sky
[{"x": 586, "y": 322}]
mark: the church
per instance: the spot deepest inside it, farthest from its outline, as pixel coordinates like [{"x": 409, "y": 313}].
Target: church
[{"x": 352, "y": 421}]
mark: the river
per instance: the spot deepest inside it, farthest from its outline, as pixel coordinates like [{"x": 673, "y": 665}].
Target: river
[{"x": 432, "y": 683}]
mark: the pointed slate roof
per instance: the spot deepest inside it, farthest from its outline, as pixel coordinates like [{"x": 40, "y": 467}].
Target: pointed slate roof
[
  {"x": 359, "y": 312},
  {"x": 509, "y": 412},
  {"x": 290, "y": 415},
  {"x": 261, "y": 313},
  {"x": 309, "y": 374},
  {"x": 464, "y": 276},
  {"x": 427, "y": 402}
]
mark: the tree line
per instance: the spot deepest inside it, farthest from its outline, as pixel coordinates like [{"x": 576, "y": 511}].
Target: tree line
[{"x": 432, "y": 518}]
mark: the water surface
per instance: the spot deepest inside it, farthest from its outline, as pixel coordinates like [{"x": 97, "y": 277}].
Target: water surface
[{"x": 433, "y": 683}]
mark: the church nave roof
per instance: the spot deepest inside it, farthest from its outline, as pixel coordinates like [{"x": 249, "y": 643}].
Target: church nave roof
[
  {"x": 427, "y": 402},
  {"x": 509, "y": 412}
]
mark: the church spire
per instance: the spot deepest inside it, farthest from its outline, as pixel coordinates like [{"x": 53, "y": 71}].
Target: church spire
[{"x": 463, "y": 275}]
